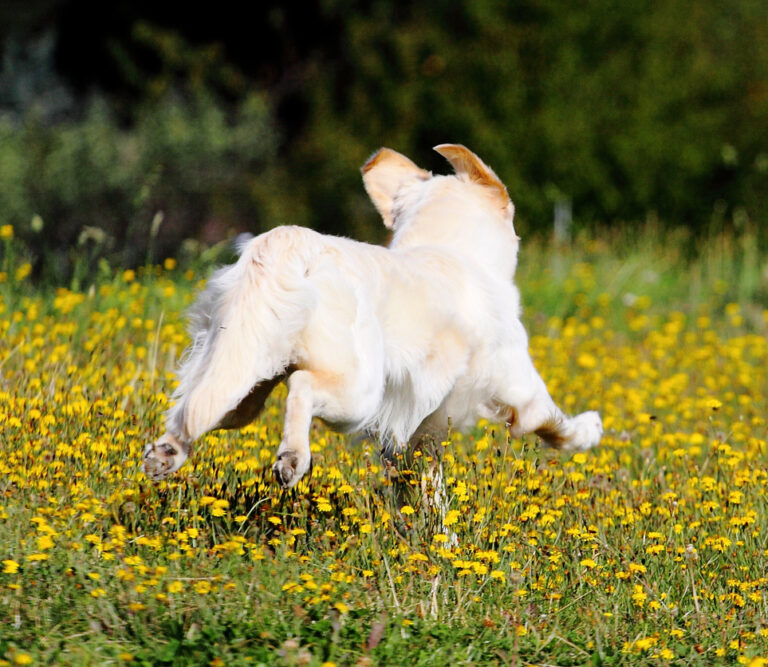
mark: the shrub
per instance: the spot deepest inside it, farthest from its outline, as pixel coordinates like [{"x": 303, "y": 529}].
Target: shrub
[{"x": 185, "y": 168}]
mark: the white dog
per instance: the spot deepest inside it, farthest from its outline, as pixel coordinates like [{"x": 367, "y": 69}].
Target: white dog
[{"x": 397, "y": 341}]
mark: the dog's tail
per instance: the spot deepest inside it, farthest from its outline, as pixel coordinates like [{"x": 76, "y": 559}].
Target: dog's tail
[{"x": 243, "y": 328}]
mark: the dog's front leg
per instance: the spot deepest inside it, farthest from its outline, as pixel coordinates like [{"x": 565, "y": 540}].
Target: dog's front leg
[{"x": 293, "y": 456}]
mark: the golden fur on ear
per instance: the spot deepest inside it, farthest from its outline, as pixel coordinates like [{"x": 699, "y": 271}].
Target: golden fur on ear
[
  {"x": 384, "y": 174},
  {"x": 464, "y": 161}
]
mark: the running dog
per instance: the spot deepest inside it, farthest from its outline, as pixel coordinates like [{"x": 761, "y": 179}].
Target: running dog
[{"x": 400, "y": 341}]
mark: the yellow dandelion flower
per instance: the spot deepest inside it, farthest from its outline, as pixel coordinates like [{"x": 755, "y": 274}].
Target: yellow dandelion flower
[
  {"x": 218, "y": 511},
  {"x": 175, "y": 587},
  {"x": 451, "y": 517},
  {"x": 341, "y": 608},
  {"x": 586, "y": 361},
  {"x": 418, "y": 557},
  {"x": 44, "y": 542},
  {"x": 203, "y": 587},
  {"x": 23, "y": 271},
  {"x": 645, "y": 643},
  {"x": 10, "y": 567}
]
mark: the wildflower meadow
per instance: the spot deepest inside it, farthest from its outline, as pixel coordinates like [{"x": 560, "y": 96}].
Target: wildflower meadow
[{"x": 651, "y": 549}]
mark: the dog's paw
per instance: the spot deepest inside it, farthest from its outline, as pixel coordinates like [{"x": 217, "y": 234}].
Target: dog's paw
[
  {"x": 290, "y": 468},
  {"x": 162, "y": 458},
  {"x": 587, "y": 432}
]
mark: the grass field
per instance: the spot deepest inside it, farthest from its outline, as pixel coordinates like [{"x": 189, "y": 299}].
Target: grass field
[{"x": 651, "y": 549}]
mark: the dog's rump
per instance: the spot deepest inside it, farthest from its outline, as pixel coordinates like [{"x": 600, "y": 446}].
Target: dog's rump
[{"x": 243, "y": 327}]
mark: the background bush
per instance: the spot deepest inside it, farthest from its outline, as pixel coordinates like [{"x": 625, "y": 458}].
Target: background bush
[{"x": 183, "y": 169}]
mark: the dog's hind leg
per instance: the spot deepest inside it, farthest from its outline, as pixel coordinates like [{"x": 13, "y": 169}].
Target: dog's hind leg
[
  {"x": 169, "y": 452},
  {"x": 165, "y": 456},
  {"x": 251, "y": 406},
  {"x": 559, "y": 431},
  {"x": 540, "y": 415},
  {"x": 527, "y": 407},
  {"x": 244, "y": 326}
]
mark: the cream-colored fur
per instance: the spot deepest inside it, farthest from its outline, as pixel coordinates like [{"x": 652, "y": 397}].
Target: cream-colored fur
[{"x": 400, "y": 341}]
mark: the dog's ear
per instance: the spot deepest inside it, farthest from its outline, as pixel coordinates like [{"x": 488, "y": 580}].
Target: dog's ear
[
  {"x": 384, "y": 174},
  {"x": 464, "y": 161}
]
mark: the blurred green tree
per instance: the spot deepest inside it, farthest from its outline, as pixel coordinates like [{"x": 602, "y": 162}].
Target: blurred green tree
[{"x": 623, "y": 108}]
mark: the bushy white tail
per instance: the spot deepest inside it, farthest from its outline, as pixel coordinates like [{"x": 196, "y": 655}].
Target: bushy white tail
[{"x": 243, "y": 329}]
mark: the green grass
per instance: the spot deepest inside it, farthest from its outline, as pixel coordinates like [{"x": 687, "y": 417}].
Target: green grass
[{"x": 649, "y": 550}]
